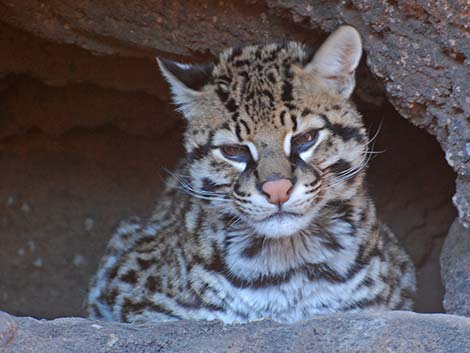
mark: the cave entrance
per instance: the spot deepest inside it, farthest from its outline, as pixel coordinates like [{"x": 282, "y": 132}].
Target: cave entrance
[
  {"x": 71, "y": 172},
  {"x": 412, "y": 186}
]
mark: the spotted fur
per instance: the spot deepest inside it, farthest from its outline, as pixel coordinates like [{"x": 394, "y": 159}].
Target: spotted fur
[{"x": 215, "y": 248}]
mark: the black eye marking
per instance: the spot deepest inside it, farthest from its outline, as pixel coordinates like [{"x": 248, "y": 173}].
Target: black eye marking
[
  {"x": 237, "y": 153},
  {"x": 303, "y": 142}
]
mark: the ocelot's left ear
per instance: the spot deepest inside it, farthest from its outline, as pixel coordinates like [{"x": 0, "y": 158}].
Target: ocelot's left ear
[
  {"x": 186, "y": 82},
  {"x": 334, "y": 63}
]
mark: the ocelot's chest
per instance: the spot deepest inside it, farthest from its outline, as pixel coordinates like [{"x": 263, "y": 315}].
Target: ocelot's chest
[{"x": 295, "y": 298}]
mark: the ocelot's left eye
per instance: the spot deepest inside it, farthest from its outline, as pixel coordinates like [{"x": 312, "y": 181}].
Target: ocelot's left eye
[
  {"x": 304, "y": 141},
  {"x": 238, "y": 153}
]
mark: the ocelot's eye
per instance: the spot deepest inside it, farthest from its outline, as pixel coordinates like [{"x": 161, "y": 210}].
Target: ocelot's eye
[
  {"x": 304, "y": 141},
  {"x": 238, "y": 153}
]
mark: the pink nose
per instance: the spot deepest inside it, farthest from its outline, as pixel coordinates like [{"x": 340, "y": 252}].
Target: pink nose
[{"x": 277, "y": 190}]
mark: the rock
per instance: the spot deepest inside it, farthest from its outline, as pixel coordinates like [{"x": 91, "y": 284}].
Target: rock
[
  {"x": 366, "y": 332},
  {"x": 455, "y": 270}
]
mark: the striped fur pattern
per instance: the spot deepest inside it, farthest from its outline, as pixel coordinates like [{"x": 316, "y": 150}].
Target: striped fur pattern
[{"x": 215, "y": 248}]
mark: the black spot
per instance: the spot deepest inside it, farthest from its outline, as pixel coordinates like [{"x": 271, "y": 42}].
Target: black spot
[
  {"x": 341, "y": 207},
  {"x": 324, "y": 272},
  {"x": 269, "y": 95},
  {"x": 407, "y": 293},
  {"x": 368, "y": 282},
  {"x": 367, "y": 302},
  {"x": 290, "y": 106},
  {"x": 231, "y": 105},
  {"x": 235, "y": 116},
  {"x": 239, "y": 63},
  {"x": 217, "y": 264},
  {"x": 238, "y": 132},
  {"x": 254, "y": 248},
  {"x": 144, "y": 240},
  {"x": 306, "y": 112},
  {"x": 294, "y": 122},
  {"x": 287, "y": 92},
  {"x": 243, "y": 122},
  {"x": 271, "y": 77},
  {"x": 111, "y": 297},
  {"x": 282, "y": 117},
  {"x": 138, "y": 307},
  {"x": 112, "y": 273},
  {"x": 153, "y": 283},
  {"x": 225, "y": 126},
  {"x": 129, "y": 277},
  {"x": 144, "y": 264}
]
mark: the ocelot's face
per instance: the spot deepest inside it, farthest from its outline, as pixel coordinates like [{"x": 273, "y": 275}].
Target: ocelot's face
[{"x": 271, "y": 139}]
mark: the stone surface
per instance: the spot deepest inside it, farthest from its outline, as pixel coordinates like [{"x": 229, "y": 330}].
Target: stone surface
[
  {"x": 455, "y": 269},
  {"x": 359, "y": 333}
]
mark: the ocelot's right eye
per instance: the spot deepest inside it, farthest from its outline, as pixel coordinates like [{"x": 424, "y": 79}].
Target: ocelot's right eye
[{"x": 238, "y": 153}]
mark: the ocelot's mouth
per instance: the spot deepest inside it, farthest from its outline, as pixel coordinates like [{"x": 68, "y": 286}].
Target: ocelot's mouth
[
  {"x": 281, "y": 215},
  {"x": 281, "y": 224}
]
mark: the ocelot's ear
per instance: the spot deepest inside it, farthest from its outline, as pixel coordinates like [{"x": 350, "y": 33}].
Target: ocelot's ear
[
  {"x": 334, "y": 63},
  {"x": 186, "y": 82}
]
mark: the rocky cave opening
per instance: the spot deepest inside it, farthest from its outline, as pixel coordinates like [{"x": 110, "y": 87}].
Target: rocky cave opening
[{"x": 84, "y": 138}]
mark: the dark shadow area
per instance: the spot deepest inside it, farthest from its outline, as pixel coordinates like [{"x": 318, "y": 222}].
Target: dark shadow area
[{"x": 412, "y": 185}]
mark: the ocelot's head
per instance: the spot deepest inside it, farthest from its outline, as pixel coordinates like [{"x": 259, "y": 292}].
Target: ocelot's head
[{"x": 271, "y": 137}]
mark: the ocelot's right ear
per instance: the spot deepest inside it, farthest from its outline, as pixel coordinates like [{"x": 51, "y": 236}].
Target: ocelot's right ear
[
  {"x": 336, "y": 60},
  {"x": 186, "y": 82}
]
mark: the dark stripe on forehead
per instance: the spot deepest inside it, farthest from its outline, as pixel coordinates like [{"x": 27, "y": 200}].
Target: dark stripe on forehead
[
  {"x": 293, "y": 118},
  {"x": 238, "y": 132},
  {"x": 287, "y": 92},
  {"x": 282, "y": 116},
  {"x": 244, "y": 123}
]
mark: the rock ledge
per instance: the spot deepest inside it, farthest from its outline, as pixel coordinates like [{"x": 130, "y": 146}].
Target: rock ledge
[{"x": 366, "y": 332}]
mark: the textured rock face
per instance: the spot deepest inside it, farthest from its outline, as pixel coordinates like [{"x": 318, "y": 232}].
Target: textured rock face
[
  {"x": 455, "y": 269},
  {"x": 358, "y": 333}
]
